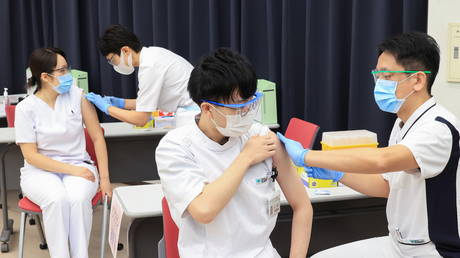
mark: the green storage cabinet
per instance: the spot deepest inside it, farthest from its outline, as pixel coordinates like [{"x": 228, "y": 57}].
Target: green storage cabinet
[
  {"x": 81, "y": 79},
  {"x": 268, "y": 111}
]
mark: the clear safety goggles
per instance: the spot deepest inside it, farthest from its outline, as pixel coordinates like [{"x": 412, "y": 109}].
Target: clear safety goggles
[
  {"x": 61, "y": 71},
  {"x": 386, "y": 75},
  {"x": 252, "y": 105}
]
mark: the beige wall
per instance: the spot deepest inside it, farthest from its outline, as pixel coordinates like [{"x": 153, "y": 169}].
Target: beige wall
[{"x": 440, "y": 14}]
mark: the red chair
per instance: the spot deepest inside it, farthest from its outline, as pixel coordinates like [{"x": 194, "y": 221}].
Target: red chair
[
  {"x": 302, "y": 131},
  {"x": 167, "y": 247},
  {"x": 29, "y": 208}
]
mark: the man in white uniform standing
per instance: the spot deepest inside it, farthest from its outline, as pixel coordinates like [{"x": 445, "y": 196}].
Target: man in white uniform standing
[
  {"x": 218, "y": 173},
  {"x": 417, "y": 172},
  {"x": 162, "y": 76}
]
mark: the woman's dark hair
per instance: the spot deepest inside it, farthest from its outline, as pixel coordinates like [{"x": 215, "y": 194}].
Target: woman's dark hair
[
  {"x": 115, "y": 37},
  {"x": 42, "y": 60},
  {"x": 414, "y": 51},
  {"x": 219, "y": 75}
]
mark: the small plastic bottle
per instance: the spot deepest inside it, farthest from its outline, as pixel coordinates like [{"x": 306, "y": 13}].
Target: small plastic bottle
[{"x": 6, "y": 100}]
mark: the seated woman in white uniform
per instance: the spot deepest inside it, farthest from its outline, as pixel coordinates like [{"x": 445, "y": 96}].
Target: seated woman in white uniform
[
  {"x": 58, "y": 174},
  {"x": 218, "y": 173}
]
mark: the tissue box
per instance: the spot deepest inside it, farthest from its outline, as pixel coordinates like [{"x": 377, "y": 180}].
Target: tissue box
[
  {"x": 349, "y": 139},
  {"x": 164, "y": 122},
  {"x": 336, "y": 141},
  {"x": 311, "y": 182}
]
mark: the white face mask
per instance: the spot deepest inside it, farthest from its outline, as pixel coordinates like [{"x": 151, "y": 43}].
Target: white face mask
[
  {"x": 236, "y": 125},
  {"x": 123, "y": 68}
]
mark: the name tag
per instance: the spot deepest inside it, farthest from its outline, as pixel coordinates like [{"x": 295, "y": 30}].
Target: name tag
[
  {"x": 274, "y": 204},
  {"x": 264, "y": 179},
  {"x": 261, "y": 180}
]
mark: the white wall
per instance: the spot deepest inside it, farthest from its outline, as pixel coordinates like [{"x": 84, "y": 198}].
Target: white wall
[{"x": 440, "y": 14}]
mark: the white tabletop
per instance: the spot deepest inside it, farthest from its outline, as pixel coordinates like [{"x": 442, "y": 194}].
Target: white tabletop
[
  {"x": 142, "y": 201},
  {"x": 6, "y": 135},
  {"x": 112, "y": 130},
  {"x": 122, "y": 129}
]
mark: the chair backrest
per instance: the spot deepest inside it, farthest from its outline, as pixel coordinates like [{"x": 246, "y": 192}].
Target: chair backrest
[
  {"x": 90, "y": 146},
  {"x": 170, "y": 232},
  {"x": 10, "y": 110},
  {"x": 302, "y": 131}
]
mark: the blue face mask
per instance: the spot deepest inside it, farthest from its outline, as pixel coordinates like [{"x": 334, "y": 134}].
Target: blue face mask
[
  {"x": 65, "y": 82},
  {"x": 385, "y": 95}
]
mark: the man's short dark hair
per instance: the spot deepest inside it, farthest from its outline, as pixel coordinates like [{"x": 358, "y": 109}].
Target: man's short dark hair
[
  {"x": 115, "y": 37},
  {"x": 415, "y": 51},
  {"x": 219, "y": 75}
]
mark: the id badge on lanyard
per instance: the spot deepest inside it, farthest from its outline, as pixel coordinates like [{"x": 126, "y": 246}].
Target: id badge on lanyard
[{"x": 274, "y": 204}]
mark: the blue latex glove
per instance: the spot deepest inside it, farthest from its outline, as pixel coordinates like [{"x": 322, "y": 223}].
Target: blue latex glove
[
  {"x": 322, "y": 173},
  {"x": 99, "y": 102},
  {"x": 295, "y": 150},
  {"x": 117, "y": 102}
]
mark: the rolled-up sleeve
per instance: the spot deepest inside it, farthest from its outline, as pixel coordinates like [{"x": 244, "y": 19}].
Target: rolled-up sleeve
[
  {"x": 181, "y": 178},
  {"x": 431, "y": 146},
  {"x": 150, "y": 88},
  {"x": 24, "y": 126}
]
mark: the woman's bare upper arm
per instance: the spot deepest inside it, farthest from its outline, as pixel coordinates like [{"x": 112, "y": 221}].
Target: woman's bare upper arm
[{"x": 90, "y": 118}]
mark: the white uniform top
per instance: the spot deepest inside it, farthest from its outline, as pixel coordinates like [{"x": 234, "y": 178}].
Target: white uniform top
[
  {"x": 187, "y": 160},
  {"x": 424, "y": 204},
  {"x": 58, "y": 133},
  {"x": 163, "y": 78}
]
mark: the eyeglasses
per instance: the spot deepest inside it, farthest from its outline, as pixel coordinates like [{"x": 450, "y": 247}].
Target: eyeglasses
[
  {"x": 386, "y": 75},
  {"x": 62, "y": 70},
  {"x": 243, "y": 108}
]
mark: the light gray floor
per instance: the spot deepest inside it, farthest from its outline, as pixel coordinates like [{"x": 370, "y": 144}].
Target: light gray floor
[{"x": 32, "y": 239}]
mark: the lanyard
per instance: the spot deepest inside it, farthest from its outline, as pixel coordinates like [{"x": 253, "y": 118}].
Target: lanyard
[{"x": 417, "y": 120}]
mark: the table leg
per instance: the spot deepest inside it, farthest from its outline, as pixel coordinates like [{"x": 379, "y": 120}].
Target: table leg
[{"x": 7, "y": 223}]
